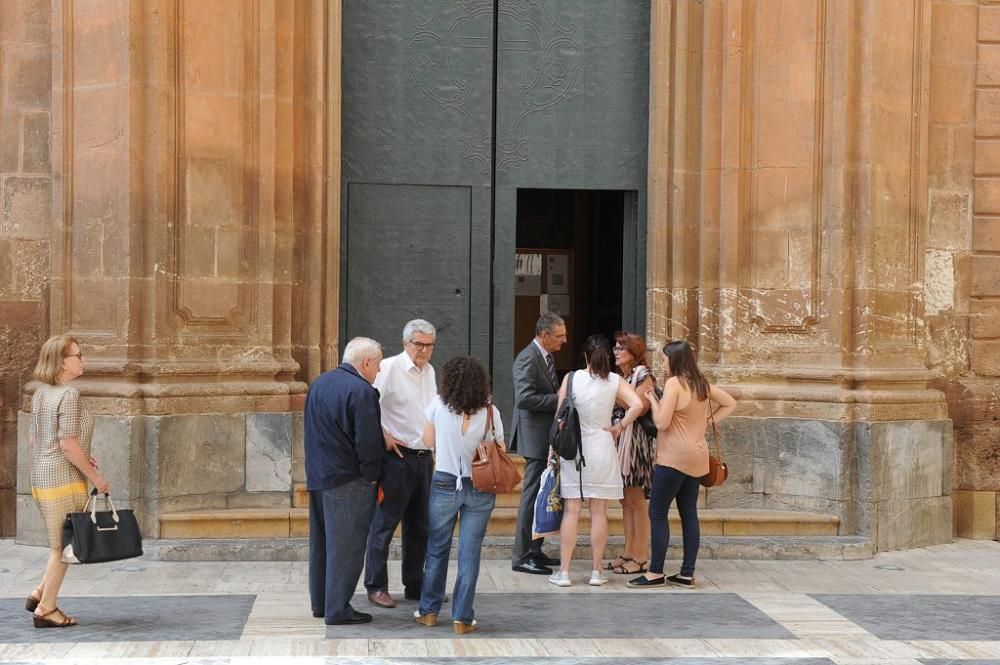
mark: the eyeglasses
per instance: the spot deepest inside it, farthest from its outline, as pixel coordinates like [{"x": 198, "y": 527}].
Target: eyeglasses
[
  {"x": 422, "y": 346},
  {"x": 74, "y": 355}
]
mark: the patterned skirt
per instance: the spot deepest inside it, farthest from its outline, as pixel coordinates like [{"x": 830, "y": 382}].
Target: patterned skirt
[
  {"x": 56, "y": 500},
  {"x": 636, "y": 458}
]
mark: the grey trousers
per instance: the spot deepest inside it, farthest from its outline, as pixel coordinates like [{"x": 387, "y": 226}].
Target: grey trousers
[{"x": 524, "y": 547}]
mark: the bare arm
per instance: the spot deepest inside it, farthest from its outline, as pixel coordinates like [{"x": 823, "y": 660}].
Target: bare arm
[
  {"x": 74, "y": 453},
  {"x": 663, "y": 409},
  {"x": 627, "y": 397},
  {"x": 429, "y": 435},
  {"x": 561, "y": 395},
  {"x": 725, "y": 401}
]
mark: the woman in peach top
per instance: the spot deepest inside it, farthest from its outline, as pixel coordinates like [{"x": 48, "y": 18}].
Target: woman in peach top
[{"x": 681, "y": 416}]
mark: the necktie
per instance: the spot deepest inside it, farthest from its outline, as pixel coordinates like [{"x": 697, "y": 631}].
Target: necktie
[{"x": 550, "y": 365}]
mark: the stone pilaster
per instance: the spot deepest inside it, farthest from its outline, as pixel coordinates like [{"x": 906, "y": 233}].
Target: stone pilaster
[
  {"x": 189, "y": 143},
  {"x": 796, "y": 252},
  {"x": 25, "y": 216}
]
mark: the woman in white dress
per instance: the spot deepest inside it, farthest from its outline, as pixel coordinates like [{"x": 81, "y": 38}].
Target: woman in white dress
[{"x": 595, "y": 391}]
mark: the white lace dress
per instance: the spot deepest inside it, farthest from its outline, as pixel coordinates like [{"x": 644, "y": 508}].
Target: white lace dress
[{"x": 602, "y": 476}]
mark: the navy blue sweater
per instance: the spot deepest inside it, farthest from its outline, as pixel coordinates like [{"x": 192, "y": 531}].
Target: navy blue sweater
[{"x": 343, "y": 430}]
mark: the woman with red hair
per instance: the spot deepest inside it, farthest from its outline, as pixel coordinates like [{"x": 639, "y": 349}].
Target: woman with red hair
[{"x": 636, "y": 452}]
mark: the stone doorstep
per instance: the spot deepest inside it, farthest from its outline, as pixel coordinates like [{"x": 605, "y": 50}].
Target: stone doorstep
[
  {"x": 750, "y": 548},
  {"x": 294, "y": 523}
]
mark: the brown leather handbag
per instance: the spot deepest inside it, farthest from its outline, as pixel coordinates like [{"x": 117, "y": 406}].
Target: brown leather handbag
[
  {"x": 493, "y": 471},
  {"x": 717, "y": 469}
]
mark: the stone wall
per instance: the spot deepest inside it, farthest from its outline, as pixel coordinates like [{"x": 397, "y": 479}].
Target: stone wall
[
  {"x": 25, "y": 215},
  {"x": 190, "y": 239},
  {"x": 975, "y": 43}
]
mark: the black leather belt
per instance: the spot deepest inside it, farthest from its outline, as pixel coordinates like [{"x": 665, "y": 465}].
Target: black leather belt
[{"x": 411, "y": 451}]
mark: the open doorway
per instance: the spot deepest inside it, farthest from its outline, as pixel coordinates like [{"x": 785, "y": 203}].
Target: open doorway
[{"x": 570, "y": 260}]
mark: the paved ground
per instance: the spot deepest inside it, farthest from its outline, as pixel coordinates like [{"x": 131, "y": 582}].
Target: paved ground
[{"x": 936, "y": 606}]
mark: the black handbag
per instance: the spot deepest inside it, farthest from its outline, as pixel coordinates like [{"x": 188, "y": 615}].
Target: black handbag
[
  {"x": 646, "y": 420},
  {"x": 99, "y": 536},
  {"x": 564, "y": 435}
]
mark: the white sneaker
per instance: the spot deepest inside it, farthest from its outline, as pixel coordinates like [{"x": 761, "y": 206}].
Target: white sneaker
[
  {"x": 561, "y": 578},
  {"x": 596, "y": 579}
]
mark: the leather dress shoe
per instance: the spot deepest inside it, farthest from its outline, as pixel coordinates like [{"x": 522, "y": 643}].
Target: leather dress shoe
[
  {"x": 353, "y": 617},
  {"x": 546, "y": 560},
  {"x": 381, "y": 599},
  {"x": 532, "y": 567}
]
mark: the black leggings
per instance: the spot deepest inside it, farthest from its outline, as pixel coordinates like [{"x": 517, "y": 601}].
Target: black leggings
[{"x": 668, "y": 484}]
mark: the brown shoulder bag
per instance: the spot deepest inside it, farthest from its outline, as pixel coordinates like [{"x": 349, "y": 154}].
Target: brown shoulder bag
[
  {"x": 493, "y": 471},
  {"x": 717, "y": 469}
]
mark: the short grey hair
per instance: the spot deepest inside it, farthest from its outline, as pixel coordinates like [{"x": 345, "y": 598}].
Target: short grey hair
[
  {"x": 548, "y": 321},
  {"x": 360, "y": 348},
  {"x": 418, "y": 326}
]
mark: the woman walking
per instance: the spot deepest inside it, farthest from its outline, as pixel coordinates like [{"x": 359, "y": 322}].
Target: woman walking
[
  {"x": 681, "y": 417},
  {"x": 635, "y": 457},
  {"x": 595, "y": 392},
  {"x": 457, "y": 419},
  {"x": 60, "y": 432}
]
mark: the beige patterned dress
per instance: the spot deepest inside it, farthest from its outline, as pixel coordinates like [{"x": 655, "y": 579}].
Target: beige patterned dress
[{"x": 56, "y": 484}]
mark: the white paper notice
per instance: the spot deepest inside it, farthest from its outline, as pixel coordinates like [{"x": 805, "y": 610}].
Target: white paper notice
[{"x": 558, "y": 277}]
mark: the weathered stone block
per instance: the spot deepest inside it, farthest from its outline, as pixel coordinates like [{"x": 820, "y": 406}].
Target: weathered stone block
[
  {"x": 28, "y": 76},
  {"x": 29, "y": 269},
  {"x": 988, "y": 112},
  {"x": 987, "y": 195},
  {"x": 197, "y": 454},
  {"x": 985, "y": 357},
  {"x": 950, "y": 216},
  {"x": 27, "y": 207},
  {"x": 989, "y": 23},
  {"x": 907, "y": 523},
  {"x": 986, "y": 234},
  {"x": 987, "y": 158},
  {"x": 975, "y": 514},
  {"x": 35, "y": 139},
  {"x": 8, "y": 511},
  {"x": 984, "y": 319},
  {"x": 985, "y": 275},
  {"x": 951, "y": 99},
  {"x": 269, "y": 452},
  {"x": 298, "y": 448},
  {"x": 902, "y": 459},
  {"x": 988, "y": 65},
  {"x": 117, "y": 446},
  {"x": 23, "y": 453},
  {"x": 977, "y": 457},
  {"x": 806, "y": 458},
  {"x": 10, "y": 140}
]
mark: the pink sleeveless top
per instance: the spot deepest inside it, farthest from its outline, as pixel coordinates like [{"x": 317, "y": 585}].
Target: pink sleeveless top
[{"x": 682, "y": 446}]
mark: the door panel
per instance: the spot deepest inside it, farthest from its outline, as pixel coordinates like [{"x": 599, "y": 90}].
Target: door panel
[{"x": 408, "y": 257}]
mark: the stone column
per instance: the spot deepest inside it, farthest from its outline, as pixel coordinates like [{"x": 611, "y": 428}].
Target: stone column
[
  {"x": 25, "y": 216},
  {"x": 798, "y": 214},
  {"x": 185, "y": 145}
]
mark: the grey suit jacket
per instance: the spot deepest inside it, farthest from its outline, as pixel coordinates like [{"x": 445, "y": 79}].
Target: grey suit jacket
[{"x": 535, "y": 402}]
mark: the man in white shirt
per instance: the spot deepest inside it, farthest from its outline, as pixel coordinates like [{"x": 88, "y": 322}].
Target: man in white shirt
[{"x": 406, "y": 386}]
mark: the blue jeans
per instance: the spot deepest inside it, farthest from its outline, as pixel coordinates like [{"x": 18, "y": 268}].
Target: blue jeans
[
  {"x": 447, "y": 504},
  {"x": 339, "y": 519},
  {"x": 668, "y": 484}
]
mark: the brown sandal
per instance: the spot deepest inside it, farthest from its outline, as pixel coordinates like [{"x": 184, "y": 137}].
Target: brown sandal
[
  {"x": 41, "y": 620},
  {"x": 626, "y": 568},
  {"x": 31, "y": 603}
]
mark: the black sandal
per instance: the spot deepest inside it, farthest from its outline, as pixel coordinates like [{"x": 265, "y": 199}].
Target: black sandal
[{"x": 614, "y": 565}]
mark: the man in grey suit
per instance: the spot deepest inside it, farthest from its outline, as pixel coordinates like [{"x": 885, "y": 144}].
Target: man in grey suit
[{"x": 535, "y": 399}]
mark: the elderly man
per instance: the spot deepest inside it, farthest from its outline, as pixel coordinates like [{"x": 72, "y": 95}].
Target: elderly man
[
  {"x": 535, "y": 398},
  {"x": 344, "y": 448},
  {"x": 406, "y": 387}
]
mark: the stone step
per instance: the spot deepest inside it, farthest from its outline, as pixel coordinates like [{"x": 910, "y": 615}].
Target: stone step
[
  {"x": 294, "y": 522},
  {"x": 750, "y": 548}
]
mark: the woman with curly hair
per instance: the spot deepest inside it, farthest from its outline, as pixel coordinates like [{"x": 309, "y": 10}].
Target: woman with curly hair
[{"x": 457, "y": 419}]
